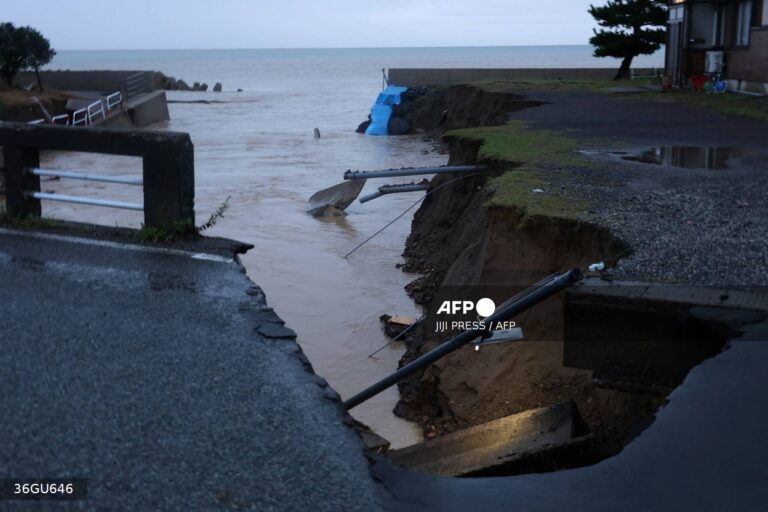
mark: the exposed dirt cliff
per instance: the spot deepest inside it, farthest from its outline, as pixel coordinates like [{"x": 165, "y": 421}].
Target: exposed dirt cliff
[{"x": 460, "y": 238}]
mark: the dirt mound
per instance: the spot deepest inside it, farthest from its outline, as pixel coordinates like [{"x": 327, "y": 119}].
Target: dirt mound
[
  {"x": 18, "y": 106},
  {"x": 460, "y": 106}
]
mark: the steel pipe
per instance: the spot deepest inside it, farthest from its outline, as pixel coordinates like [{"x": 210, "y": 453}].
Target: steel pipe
[
  {"x": 86, "y": 200},
  {"x": 88, "y": 177},
  {"x": 526, "y": 300},
  {"x": 413, "y": 171},
  {"x": 396, "y": 189}
]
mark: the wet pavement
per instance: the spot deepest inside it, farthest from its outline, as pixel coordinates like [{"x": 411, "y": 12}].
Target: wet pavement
[
  {"x": 165, "y": 380},
  {"x": 682, "y": 185},
  {"x": 705, "y": 451}
]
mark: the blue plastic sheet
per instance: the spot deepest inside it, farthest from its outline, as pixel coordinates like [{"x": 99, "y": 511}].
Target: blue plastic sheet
[{"x": 381, "y": 111}]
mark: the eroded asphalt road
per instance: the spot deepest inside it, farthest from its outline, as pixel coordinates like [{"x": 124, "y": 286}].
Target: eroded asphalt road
[{"x": 167, "y": 383}]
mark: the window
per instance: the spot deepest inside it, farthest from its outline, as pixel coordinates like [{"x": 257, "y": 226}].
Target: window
[
  {"x": 676, "y": 14},
  {"x": 743, "y": 23}
]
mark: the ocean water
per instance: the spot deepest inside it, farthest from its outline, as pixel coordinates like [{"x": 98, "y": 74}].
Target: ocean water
[
  {"x": 307, "y": 69},
  {"x": 257, "y": 148}
]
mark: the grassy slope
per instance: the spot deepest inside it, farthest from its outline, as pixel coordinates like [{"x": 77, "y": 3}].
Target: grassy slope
[{"x": 537, "y": 160}]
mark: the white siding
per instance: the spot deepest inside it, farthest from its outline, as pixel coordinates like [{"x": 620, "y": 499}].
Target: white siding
[{"x": 765, "y": 13}]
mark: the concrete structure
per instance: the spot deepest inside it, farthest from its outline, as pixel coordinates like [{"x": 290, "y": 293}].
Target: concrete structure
[
  {"x": 414, "y": 77},
  {"x": 168, "y": 166},
  {"x": 146, "y": 109},
  {"x": 735, "y": 29},
  {"x": 496, "y": 447},
  {"x": 104, "y": 81}
]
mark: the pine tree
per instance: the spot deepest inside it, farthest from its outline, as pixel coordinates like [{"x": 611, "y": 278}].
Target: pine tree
[
  {"x": 628, "y": 28},
  {"x": 39, "y": 52},
  {"x": 22, "y": 48}
]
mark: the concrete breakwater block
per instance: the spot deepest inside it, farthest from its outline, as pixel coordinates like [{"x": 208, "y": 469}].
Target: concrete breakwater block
[{"x": 495, "y": 446}]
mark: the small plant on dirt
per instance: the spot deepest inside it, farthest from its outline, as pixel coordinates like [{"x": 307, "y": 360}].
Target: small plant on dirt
[
  {"x": 215, "y": 216},
  {"x": 181, "y": 228},
  {"x": 152, "y": 235}
]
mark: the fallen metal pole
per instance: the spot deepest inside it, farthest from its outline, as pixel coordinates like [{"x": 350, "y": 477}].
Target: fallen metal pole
[
  {"x": 413, "y": 171},
  {"x": 527, "y": 300},
  {"x": 85, "y": 200},
  {"x": 396, "y": 189}
]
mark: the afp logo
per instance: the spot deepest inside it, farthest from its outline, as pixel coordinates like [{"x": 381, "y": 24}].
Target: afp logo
[{"x": 485, "y": 307}]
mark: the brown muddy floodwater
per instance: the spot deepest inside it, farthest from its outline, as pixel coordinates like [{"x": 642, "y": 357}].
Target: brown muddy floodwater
[{"x": 262, "y": 153}]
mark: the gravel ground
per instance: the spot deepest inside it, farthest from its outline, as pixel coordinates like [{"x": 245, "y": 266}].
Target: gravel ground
[{"x": 698, "y": 226}]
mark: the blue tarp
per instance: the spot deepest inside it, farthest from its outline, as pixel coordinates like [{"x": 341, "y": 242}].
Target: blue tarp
[{"x": 381, "y": 111}]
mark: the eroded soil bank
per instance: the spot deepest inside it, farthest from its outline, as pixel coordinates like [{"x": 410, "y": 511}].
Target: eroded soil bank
[
  {"x": 21, "y": 106},
  {"x": 459, "y": 241},
  {"x": 477, "y": 233}
]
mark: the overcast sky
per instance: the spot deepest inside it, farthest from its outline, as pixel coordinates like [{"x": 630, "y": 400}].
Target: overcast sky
[{"x": 193, "y": 24}]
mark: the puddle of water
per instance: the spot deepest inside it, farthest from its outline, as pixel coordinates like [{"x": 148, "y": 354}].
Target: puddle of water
[{"x": 687, "y": 157}]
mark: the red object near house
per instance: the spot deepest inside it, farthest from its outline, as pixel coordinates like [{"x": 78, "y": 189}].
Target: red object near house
[{"x": 698, "y": 82}]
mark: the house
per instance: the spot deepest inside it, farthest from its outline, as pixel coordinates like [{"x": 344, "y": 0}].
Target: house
[{"x": 726, "y": 36}]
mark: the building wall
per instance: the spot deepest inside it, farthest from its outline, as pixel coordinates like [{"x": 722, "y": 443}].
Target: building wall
[
  {"x": 751, "y": 64},
  {"x": 765, "y": 13}
]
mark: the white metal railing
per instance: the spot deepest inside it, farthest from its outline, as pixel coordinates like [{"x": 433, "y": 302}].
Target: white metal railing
[
  {"x": 95, "y": 109},
  {"x": 84, "y": 200},
  {"x": 60, "y": 119},
  {"x": 137, "y": 83},
  {"x": 80, "y": 117},
  {"x": 79, "y": 175},
  {"x": 114, "y": 99},
  {"x": 86, "y": 116}
]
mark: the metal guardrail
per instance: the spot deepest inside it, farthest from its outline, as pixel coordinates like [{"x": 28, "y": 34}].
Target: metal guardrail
[
  {"x": 87, "y": 201},
  {"x": 75, "y": 175},
  {"x": 167, "y": 169},
  {"x": 95, "y": 109},
  {"x": 62, "y": 119},
  {"x": 80, "y": 117},
  {"x": 114, "y": 100},
  {"x": 138, "y": 83}
]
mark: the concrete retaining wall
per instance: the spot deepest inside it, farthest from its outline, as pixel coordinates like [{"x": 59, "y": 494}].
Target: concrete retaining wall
[
  {"x": 103, "y": 81},
  {"x": 413, "y": 77},
  {"x": 148, "y": 108}
]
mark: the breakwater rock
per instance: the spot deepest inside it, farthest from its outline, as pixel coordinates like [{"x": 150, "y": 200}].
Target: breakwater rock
[{"x": 169, "y": 83}]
